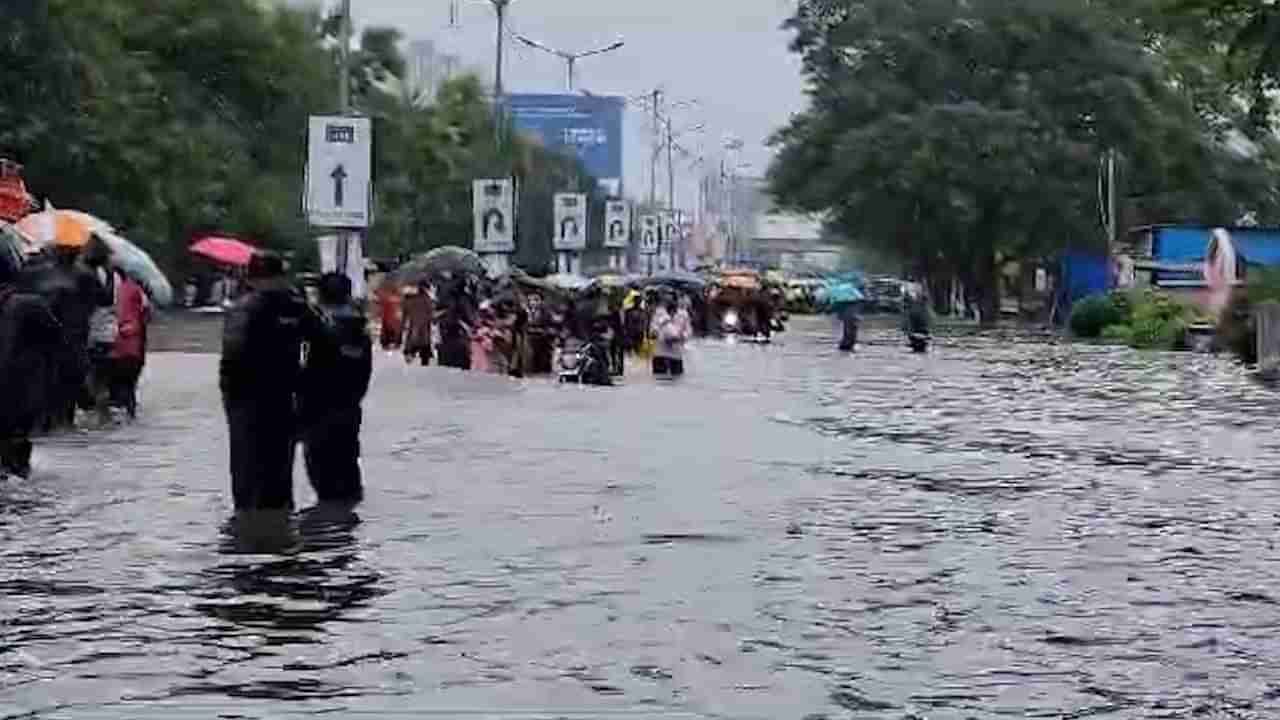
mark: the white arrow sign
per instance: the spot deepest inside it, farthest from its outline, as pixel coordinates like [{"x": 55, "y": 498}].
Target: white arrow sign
[
  {"x": 339, "y": 172},
  {"x": 570, "y": 232}
]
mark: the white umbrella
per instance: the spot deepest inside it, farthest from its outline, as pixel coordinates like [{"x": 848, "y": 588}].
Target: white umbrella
[{"x": 130, "y": 259}]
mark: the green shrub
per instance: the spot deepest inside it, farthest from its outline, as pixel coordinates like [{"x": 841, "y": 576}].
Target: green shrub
[
  {"x": 1155, "y": 333},
  {"x": 1159, "y": 321},
  {"x": 1117, "y": 334},
  {"x": 1095, "y": 313}
]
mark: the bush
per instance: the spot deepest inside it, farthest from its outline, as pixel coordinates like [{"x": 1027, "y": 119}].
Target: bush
[
  {"x": 1117, "y": 334},
  {"x": 1096, "y": 313},
  {"x": 1159, "y": 322},
  {"x": 1143, "y": 319}
]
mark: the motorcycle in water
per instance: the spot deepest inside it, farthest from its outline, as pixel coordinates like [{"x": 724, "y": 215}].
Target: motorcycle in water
[
  {"x": 588, "y": 364},
  {"x": 732, "y": 323}
]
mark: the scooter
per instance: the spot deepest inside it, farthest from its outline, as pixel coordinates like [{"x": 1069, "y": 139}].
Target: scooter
[
  {"x": 731, "y": 324},
  {"x": 588, "y": 365}
]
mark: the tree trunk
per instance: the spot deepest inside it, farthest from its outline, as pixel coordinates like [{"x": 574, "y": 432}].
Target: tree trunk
[{"x": 988, "y": 279}]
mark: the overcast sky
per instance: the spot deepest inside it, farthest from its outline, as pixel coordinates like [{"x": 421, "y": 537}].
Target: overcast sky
[{"x": 730, "y": 55}]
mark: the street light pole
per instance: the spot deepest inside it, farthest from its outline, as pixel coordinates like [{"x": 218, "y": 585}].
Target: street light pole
[
  {"x": 344, "y": 55},
  {"x": 570, "y": 58},
  {"x": 499, "y": 7},
  {"x": 653, "y": 158}
]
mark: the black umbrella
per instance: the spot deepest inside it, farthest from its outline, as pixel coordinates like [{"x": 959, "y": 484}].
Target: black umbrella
[
  {"x": 676, "y": 278},
  {"x": 447, "y": 259}
]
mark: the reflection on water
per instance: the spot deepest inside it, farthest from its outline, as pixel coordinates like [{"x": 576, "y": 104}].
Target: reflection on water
[{"x": 1008, "y": 526}]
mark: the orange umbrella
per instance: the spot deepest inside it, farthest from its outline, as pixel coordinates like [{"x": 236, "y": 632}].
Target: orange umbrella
[{"x": 56, "y": 227}]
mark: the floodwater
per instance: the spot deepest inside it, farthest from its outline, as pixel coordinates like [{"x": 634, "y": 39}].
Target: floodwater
[{"x": 1007, "y": 527}]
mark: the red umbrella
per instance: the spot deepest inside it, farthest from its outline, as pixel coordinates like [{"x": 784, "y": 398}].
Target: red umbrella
[{"x": 224, "y": 250}]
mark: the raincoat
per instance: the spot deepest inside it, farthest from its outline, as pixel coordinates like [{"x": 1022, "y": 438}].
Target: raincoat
[
  {"x": 133, "y": 312},
  {"x": 391, "y": 317},
  {"x": 419, "y": 315}
]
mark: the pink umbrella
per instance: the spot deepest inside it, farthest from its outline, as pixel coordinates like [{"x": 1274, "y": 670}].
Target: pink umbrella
[{"x": 224, "y": 250}]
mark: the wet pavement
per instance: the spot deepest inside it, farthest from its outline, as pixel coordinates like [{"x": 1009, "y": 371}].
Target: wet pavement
[{"x": 1007, "y": 527}]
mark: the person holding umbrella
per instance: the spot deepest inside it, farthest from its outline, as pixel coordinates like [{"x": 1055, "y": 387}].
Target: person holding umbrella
[
  {"x": 30, "y": 340},
  {"x": 259, "y": 374}
]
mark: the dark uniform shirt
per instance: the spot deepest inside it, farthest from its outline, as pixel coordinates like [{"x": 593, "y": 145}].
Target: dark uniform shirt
[
  {"x": 339, "y": 360},
  {"x": 262, "y": 348}
]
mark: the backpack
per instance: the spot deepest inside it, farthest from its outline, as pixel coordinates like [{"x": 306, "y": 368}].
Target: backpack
[{"x": 104, "y": 326}]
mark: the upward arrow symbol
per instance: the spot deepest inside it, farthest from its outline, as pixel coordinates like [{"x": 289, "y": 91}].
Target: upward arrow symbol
[{"x": 339, "y": 176}]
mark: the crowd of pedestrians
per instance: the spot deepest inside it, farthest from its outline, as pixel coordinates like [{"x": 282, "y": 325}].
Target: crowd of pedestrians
[{"x": 73, "y": 344}]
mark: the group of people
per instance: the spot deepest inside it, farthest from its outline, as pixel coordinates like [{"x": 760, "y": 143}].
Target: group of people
[
  {"x": 73, "y": 337},
  {"x": 507, "y": 328},
  {"x": 294, "y": 371}
]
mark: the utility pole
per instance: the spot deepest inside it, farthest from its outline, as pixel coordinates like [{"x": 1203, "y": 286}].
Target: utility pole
[
  {"x": 671, "y": 192},
  {"x": 344, "y": 55},
  {"x": 657, "y": 143},
  {"x": 500, "y": 7}
]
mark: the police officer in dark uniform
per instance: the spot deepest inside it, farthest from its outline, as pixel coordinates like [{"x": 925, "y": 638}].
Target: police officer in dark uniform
[
  {"x": 335, "y": 381},
  {"x": 31, "y": 340},
  {"x": 260, "y": 374}
]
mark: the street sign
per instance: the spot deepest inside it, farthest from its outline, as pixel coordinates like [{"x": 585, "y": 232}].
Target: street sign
[
  {"x": 339, "y": 172},
  {"x": 570, "y": 232},
  {"x": 617, "y": 224},
  {"x": 493, "y": 204},
  {"x": 649, "y": 231}
]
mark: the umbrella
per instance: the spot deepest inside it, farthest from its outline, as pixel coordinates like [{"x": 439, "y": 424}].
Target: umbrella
[
  {"x": 843, "y": 294},
  {"x": 224, "y": 250},
  {"x": 741, "y": 280},
  {"x": 540, "y": 285},
  {"x": 56, "y": 227},
  {"x": 677, "y": 278},
  {"x": 128, "y": 258},
  {"x": 568, "y": 282},
  {"x": 447, "y": 259},
  {"x": 11, "y": 236}
]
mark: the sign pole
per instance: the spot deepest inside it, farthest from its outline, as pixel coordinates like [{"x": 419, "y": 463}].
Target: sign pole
[{"x": 344, "y": 236}]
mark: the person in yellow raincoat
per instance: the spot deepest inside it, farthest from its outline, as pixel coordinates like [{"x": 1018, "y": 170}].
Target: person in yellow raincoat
[{"x": 635, "y": 321}]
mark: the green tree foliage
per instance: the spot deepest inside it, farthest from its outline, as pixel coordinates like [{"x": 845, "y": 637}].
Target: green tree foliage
[
  {"x": 189, "y": 116},
  {"x": 963, "y": 133}
]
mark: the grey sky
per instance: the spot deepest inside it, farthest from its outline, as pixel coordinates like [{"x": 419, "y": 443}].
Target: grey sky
[{"x": 731, "y": 55}]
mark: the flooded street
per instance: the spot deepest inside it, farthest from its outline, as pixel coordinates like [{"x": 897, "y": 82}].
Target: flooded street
[{"x": 1007, "y": 527}]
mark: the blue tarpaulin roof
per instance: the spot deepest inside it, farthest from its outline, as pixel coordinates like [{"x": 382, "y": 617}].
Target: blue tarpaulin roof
[{"x": 1259, "y": 246}]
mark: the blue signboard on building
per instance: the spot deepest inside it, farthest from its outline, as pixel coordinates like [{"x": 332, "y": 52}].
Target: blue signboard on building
[{"x": 588, "y": 126}]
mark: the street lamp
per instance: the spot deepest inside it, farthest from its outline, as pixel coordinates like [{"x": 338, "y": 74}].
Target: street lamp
[
  {"x": 499, "y": 7},
  {"x": 734, "y": 241},
  {"x": 570, "y": 58}
]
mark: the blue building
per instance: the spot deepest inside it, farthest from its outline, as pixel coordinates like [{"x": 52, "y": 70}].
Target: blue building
[{"x": 1177, "y": 252}]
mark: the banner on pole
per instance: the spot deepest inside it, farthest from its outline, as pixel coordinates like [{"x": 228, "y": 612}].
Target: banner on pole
[
  {"x": 649, "y": 235},
  {"x": 493, "y": 204},
  {"x": 570, "y": 231},
  {"x": 617, "y": 225}
]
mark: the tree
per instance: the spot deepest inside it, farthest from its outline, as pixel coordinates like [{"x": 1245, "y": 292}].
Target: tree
[{"x": 966, "y": 133}]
